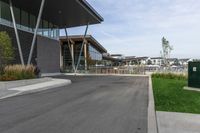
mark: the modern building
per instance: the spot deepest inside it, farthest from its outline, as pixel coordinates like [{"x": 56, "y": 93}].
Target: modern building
[
  {"x": 118, "y": 59},
  {"x": 81, "y": 52},
  {"x": 118, "y": 56},
  {"x": 34, "y": 27}
]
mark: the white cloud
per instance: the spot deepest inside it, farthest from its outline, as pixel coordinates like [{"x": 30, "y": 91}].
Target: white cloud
[{"x": 135, "y": 27}]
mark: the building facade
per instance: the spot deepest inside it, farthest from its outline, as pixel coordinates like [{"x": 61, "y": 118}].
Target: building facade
[
  {"x": 34, "y": 28},
  {"x": 72, "y": 56}
]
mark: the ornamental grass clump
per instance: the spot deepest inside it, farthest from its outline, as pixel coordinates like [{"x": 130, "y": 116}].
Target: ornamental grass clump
[
  {"x": 169, "y": 76},
  {"x": 18, "y": 72}
]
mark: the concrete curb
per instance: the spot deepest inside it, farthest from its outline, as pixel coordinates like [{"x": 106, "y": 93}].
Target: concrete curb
[
  {"x": 152, "y": 120},
  {"x": 19, "y": 83},
  {"x": 191, "y": 89},
  {"x": 54, "y": 83},
  {"x": 50, "y": 74},
  {"x": 82, "y": 74}
]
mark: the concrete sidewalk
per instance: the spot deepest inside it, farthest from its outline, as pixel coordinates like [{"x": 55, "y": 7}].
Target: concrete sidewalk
[
  {"x": 170, "y": 122},
  {"x": 13, "y": 88}
]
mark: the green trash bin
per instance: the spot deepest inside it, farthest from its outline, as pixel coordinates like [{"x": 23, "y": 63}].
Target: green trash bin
[{"x": 194, "y": 74}]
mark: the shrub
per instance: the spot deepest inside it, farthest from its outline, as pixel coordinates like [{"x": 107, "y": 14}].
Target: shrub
[
  {"x": 6, "y": 50},
  {"x": 169, "y": 76},
  {"x": 18, "y": 72}
]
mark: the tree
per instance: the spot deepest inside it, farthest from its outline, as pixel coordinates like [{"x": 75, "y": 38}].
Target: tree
[
  {"x": 176, "y": 62},
  {"x": 6, "y": 50},
  {"x": 149, "y": 62},
  {"x": 166, "y": 51},
  {"x": 90, "y": 61}
]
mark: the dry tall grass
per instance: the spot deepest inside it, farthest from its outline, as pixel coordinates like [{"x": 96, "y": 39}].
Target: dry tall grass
[{"x": 18, "y": 72}]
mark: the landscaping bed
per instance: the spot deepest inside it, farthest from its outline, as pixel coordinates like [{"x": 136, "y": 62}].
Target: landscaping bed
[
  {"x": 170, "y": 96},
  {"x": 18, "y": 72},
  {"x": 9, "y": 72}
]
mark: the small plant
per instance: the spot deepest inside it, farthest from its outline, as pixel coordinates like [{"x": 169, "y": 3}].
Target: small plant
[
  {"x": 169, "y": 76},
  {"x": 18, "y": 72}
]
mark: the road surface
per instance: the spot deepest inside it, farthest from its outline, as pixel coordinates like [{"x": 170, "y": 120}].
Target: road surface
[{"x": 91, "y": 104}]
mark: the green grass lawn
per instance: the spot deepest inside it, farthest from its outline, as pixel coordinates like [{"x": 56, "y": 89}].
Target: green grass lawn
[{"x": 170, "y": 96}]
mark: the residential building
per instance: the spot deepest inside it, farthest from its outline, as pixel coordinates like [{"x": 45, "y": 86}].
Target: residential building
[
  {"x": 156, "y": 61},
  {"x": 142, "y": 60},
  {"x": 184, "y": 62}
]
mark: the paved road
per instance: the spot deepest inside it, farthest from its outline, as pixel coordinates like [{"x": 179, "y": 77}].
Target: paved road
[{"x": 103, "y": 104}]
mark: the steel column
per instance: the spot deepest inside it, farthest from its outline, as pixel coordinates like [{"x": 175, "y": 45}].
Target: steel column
[
  {"x": 81, "y": 48},
  {"x": 35, "y": 32},
  {"x": 16, "y": 33},
  {"x": 72, "y": 50},
  {"x": 85, "y": 54}
]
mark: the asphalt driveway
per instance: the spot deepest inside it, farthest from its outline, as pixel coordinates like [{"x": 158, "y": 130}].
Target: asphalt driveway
[{"x": 91, "y": 104}]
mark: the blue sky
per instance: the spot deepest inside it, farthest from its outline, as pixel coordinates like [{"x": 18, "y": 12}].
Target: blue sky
[{"x": 135, "y": 27}]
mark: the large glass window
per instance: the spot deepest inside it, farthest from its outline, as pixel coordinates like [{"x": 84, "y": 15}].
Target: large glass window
[
  {"x": 5, "y": 13},
  {"x": 50, "y": 30},
  {"x": 45, "y": 28},
  {"x": 32, "y": 22},
  {"x": 24, "y": 20},
  {"x": 27, "y": 21},
  {"x": 55, "y": 31},
  {"x": 0, "y": 11},
  {"x": 17, "y": 16},
  {"x": 94, "y": 54},
  {"x": 40, "y": 31}
]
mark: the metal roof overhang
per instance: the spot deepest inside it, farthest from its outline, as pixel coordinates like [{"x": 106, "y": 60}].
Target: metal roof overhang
[
  {"x": 89, "y": 38},
  {"x": 63, "y": 13}
]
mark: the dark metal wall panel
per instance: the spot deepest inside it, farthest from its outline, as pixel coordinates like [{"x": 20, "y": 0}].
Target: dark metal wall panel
[
  {"x": 25, "y": 40},
  {"x": 64, "y": 13},
  {"x": 48, "y": 53},
  {"x": 194, "y": 74}
]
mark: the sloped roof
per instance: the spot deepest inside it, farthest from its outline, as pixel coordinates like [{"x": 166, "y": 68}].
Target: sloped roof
[
  {"x": 89, "y": 38},
  {"x": 63, "y": 13}
]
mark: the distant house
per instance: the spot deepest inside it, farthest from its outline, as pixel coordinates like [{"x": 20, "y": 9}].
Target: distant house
[
  {"x": 173, "y": 61},
  {"x": 130, "y": 60},
  {"x": 142, "y": 60},
  {"x": 184, "y": 62},
  {"x": 157, "y": 61}
]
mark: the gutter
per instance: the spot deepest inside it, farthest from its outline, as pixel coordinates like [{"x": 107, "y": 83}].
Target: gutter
[
  {"x": 90, "y": 10},
  {"x": 152, "y": 119}
]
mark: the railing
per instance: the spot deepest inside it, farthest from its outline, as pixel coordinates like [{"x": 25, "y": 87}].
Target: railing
[
  {"x": 139, "y": 69},
  {"x": 116, "y": 70}
]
